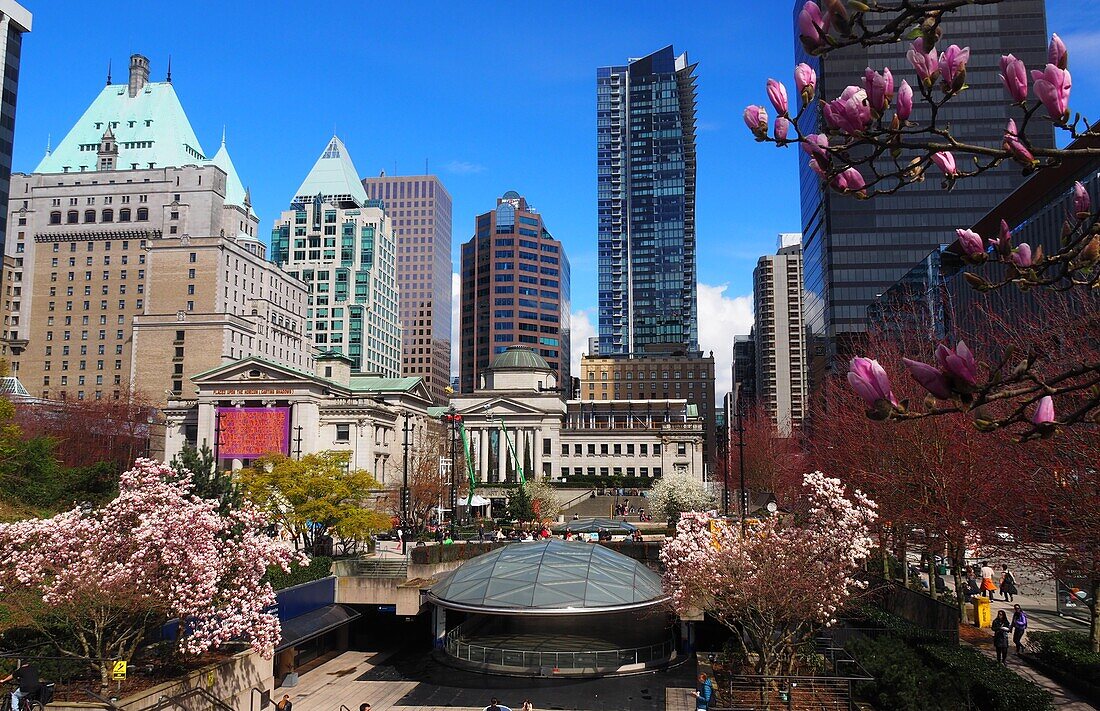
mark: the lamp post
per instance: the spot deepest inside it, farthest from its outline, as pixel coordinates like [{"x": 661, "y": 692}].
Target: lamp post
[
  {"x": 405, "y": 443},
  {"x": 741, "y": 465},
  {"x": 454, "y": 419}
]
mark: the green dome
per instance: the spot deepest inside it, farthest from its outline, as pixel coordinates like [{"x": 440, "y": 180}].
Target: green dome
[{"x": 519, "y": 358}]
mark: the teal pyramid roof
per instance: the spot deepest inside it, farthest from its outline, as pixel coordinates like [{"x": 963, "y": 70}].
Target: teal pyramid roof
[
  {"x": 150, "y": 128},
  {"x": 333, "y": 176},
  {"x": 234, "y": 188}
]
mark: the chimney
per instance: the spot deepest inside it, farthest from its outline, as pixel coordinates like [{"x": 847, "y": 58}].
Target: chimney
[{"x": 139, "y": 73}]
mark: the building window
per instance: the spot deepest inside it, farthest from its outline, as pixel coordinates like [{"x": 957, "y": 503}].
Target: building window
[
  {"x": 681, "y": 448},
  {"x": 89, "y": 215},
  {"x": 343, "y": 432},
  {"x": 142, "y": 214},
  {"x": 55, "y": 217},
  {"x": 124, "y": 216},
  {"x": 72, "y": 217},
  {"x": 108, "y": 215}
]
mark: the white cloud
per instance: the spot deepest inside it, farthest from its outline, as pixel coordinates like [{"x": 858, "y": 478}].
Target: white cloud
[
  {"x": 463, "y": 167},
  {"x": 721, "y": 318},
  {"x": 456, "y": 309},
  {"x": 581, "y": 329}
]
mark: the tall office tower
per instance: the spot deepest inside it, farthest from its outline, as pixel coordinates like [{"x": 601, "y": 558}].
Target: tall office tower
[
  {"x": 854, "y": 250},
  {"x": 419, "y": 208},
  {"x": 341, "y": 243},
  {"x": 645, "y": 143},
  {"x": 744, "y": 370},
  {"x": 14, "y": 21},
  {"x": 136, "y": 258},
  {"x": 593, "y": 346},
  {"x": 781, "y": 375},
  {"x": 515, "y": 291}
]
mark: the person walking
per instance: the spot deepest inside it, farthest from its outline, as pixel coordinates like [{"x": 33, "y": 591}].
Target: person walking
[
  {"x": 1008, "y": 584},
  {"x": 284, "y": 703},
  {"x": 1019, "y": 627},
  {"x": 526, "y": 706},
  {"x": 704, "y": 693},
  {"x": 1001, "y": 627},
  {"x": 987, "y": 580}
]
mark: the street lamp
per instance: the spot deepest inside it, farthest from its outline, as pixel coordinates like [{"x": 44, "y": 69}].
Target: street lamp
[
  {"x": 405, "y": 443},
  {"x": 454, "y": 419}
]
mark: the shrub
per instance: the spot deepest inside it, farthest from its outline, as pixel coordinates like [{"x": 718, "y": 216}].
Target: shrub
[
  {"x": 902, "y": 681},
  {"x": 319, "y": 567},
  {"x": 430, "y": 555},
  {"x": 1067, "y": 654},
  {"x": 992, "y": 686}
]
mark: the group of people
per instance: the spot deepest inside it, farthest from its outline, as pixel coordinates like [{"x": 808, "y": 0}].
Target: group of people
[
  {"x": 984, "y": 582},
  {"x": 628, "y": 510},
  {"x": 495, "y": 705}
]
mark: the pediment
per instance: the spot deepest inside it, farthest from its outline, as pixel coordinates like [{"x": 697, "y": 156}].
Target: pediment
[
  {"x": 504, "y": 406},
  {"x": 253, "y": 371}
]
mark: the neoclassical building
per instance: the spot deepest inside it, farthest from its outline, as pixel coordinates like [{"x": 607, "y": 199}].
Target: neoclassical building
[
  {"x": 251, "y": 407},
  {"x": 516, "y": 417}
]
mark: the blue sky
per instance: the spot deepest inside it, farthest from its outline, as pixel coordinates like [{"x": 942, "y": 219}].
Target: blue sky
[{"x": 496, "y": 96}]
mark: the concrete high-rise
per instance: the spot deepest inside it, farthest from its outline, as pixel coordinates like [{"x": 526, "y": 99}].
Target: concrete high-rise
[
  {"x": 515, "y": 291},
  {"x": 136, "y": 262},
  {"x": 781, "y": 367},
  {"x": 419, "y": 208},
  {"x": 15, "y": 20},
  {"x": 854, "y": 250},
  {"x": 341, "y": 243},
  {"x": 645, "y": 142}
]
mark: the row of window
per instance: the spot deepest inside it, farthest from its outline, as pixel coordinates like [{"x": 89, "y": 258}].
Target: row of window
[
  {"x": 566, "y": 472},
  {"x": 72, "y": 217},
  {"x": 618, "y": 448}
]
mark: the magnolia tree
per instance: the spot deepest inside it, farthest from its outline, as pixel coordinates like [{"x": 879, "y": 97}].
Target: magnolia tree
[
  {"x": 783, "y": 580},
  {"x": 157, "y": 552},
  {"x": 881, "y": 135},
  {"x": 678, "y": 493}
]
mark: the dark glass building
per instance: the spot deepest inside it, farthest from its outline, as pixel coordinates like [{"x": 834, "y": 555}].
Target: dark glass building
[
  {"x": 645, "y": 141},
  {"x": 14, "y": 21},
  {"x": 854, "y": 250},
  {"x": 515, "y": 291},
  {"x": 920, "y": 300}
]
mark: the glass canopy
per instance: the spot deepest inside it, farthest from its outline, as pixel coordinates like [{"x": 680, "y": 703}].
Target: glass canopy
[{"x": 548, "y": 577}]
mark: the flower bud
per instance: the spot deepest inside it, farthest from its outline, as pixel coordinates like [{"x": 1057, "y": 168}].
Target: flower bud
[
  {"x": 1082, "y": 203},
  {"x": 777, "y": 93},
  {"x": 870, "y": 381},
  {"x": 905, "y": 101},
  {"x": 1021, "y": 256},
  {"x": 953, "y": 68},
  {"x": 756, "y": 118},
  {"x": 1052, "y": 86},
  {"x": 1044, "y": 412},
  {"x": 1014, "y": 78},
  {"x": 946, "y": 162},
  {"x": 782, "y": 125},
  {"x": 805, "y": 81},
  {"x": 931, "y": 379},
  {"x": 1057, "y": 54},
  {"x": 971, "y": 243}
]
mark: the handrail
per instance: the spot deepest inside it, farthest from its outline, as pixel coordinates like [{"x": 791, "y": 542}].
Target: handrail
[
  {"x": 165, "y": 701},
  {"x": 455, "y": 647},
  {"x": 575, "y": 499},
  {"x": 106, "y": 702},
  {"x": 265, "y": 698}
]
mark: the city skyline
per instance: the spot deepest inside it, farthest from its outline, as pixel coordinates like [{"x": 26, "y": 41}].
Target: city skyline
[{"x": 737, "y": 219}]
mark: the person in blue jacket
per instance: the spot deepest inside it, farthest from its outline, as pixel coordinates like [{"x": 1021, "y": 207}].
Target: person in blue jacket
[{"x": 704, "y": 694}]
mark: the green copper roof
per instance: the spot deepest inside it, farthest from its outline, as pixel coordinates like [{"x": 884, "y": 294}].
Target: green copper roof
[
  {"x": 373, "y": 384},
  {"x": 150, "y": 128},
  {"x": 234, "y": 189},
  {"x": 521, "y": 358},
  {"x": 333, "y": 176}
]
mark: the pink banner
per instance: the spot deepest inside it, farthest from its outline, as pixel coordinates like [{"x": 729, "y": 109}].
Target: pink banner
[{"x": 250, "y": 432}]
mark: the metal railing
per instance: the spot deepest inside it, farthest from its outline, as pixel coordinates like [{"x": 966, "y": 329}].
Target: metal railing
[{"x": 604, "y": 659}]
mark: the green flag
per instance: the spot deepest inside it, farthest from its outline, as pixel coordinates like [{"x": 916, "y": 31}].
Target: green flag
[
  {"x": 469, "y": 462},
  {"x": 519, "y": 464}
]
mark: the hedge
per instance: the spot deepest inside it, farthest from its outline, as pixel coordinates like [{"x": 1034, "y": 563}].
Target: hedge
[
  {"x": 1067, "y": 657},
  {"x": 319, "y": 567},
  {"x": 430, "y": 555}
]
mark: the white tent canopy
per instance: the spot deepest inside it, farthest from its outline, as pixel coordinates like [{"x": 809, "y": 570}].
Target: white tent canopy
[{"x": 475, "y": 501}]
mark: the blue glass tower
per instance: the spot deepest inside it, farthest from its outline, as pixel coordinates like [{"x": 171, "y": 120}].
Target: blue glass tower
[{"x": 645, "y": 138}]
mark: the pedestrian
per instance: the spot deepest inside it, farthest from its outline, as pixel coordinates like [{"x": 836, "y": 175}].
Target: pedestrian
[
  {"x": 1019, "y": 627},
  {"x": 1008, "y": 584},
  {"x": 494, "y": 705},
  {"x": 972, "y": 588},
  {"x": 526, "y": 706},
  {"x": 704, "y": 693},
  {"x": 1001, "y": 627},
  {"x": 481, "y": 532},
  {"x": 284, "y": 703},
  {"x": 987, "y": 580},
  {"x": 364, "y": 707}
]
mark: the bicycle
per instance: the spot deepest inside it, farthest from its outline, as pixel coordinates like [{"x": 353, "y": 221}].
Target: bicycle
[{"x": 32, "y": 702}]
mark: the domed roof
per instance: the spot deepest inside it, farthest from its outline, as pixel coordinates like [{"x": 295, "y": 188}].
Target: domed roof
[
  {"x": 519, "y": 358},
  {"x": 549, "y": 577}
]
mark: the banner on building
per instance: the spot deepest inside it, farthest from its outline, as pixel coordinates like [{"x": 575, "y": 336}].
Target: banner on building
[{"x": 251, "y": 432}]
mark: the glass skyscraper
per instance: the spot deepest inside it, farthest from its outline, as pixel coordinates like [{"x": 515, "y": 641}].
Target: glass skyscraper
[
  {"x": 645, "y": 137},
  {"x": 14, "y": 21},
  {"x": 853, "y": 250}
]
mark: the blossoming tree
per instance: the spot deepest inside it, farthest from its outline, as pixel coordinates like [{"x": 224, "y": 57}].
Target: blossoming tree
[
  {"x": 679, "y": 492},
  {"x": 880, "y": 136},
  {"x": 156, "y": 552},
  {"x": 781, "y": 582}
]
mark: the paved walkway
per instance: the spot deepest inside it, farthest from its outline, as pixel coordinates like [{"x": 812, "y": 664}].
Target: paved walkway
[
  {"x": 336, "y": 682},
  {"x": 1064, "y": 699}
]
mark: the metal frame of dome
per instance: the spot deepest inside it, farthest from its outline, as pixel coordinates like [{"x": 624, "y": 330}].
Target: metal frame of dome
[
  {"x": 519, "y": 358},
  {"x": 551, "y": 577}
]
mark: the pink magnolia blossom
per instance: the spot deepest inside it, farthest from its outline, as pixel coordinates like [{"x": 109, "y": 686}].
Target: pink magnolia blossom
[
  {"x": 849, "y": 113},
  {"x": 782, "y": 126},
  {"x": 1044, "y": 412},
  {"x": 756, "y": 118},
  {"x": 971, "y": 242},
  {"x": 953, "y": 68},
  {"x": 1014, "y": 78},
  {"x": 905, "y": 101},
  {"x": 1021, "y": 256},
  {"x": 946, "y": 162},
  {"x": 1016, "y": 148},
  {"x": 789, "y": 576},
  {"x": 850, "y": 180},
  {"x": 958, "y": 363},
  {"x": 926, "y": 64},
  {"x": 817, "y": 145},
  {"x": 879, "y": 89},
  {"x": 816, "y": 167},
  {"x": 1003, "y": 243},
  {"x": 156, "y": 551},
  {"x": 805, "y": 81},
  {"x": 1082, "y": 203},
  {"x": 812, "y": 27},
  {"x": 1052, "y": 86},
  {"x": 1057, "y": 54},
  {"x": 777, "y": 93},
  {"x": 870, "y": 381},
  {"x": 930, "y": 378}
]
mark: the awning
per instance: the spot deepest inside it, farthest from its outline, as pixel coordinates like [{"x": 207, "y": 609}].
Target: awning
[
  {"x": 314, "y": 624},
  {"x": 476, "y": 501}
]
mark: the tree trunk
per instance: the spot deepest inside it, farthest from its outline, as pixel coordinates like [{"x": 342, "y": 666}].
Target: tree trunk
[
  {"x": 959, "y": 555},
  {"x": 1094, "y": 614},
  {"x": 903, "y": 555}
]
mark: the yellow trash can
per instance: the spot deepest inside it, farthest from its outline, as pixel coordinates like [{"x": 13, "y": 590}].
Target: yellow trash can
[{"x": 982, "y": 615}]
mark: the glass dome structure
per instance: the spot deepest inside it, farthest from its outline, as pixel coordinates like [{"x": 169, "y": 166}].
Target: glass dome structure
[{"x": 549, "y": 577}]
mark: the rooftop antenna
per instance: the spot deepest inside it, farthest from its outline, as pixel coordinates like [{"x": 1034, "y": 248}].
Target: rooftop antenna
[
  {"x": 108, "y": 71},
  {"x": 223, "y": 135},
  {"x": 169, "y": 77},
  {"x": 49, "y": 137}
]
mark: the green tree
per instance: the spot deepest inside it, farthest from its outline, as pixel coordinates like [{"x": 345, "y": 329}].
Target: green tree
[
  {"x": 315, "y": 496},
  {"x": 533, "y": 501},
  {"x": 519, "y": 505},
  {"x": 209, "y": 482}
]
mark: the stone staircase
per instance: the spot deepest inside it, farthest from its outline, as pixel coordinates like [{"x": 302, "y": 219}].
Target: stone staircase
[
  {"x": 603, "y": 506},
  {"x": 382, "y": 568}
]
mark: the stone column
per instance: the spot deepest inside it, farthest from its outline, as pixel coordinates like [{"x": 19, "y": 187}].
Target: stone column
[
  {"x": 502, "y": 455},
  {"x": 521, "y": 448},
  {"x": 536, "y": 455}
]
